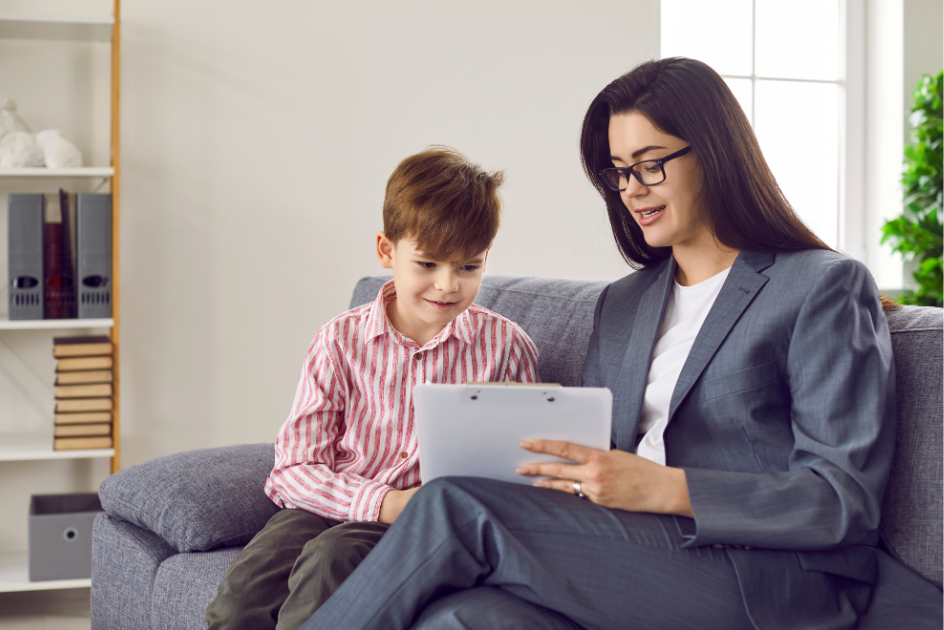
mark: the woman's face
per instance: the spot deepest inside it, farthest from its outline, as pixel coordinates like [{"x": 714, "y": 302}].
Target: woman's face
[{"x": 669, "y": 213}]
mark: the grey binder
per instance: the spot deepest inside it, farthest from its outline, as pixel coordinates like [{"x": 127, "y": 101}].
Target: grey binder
[
  {"x": 94, "y": 255},
  {"x": 25, "y": 251}
]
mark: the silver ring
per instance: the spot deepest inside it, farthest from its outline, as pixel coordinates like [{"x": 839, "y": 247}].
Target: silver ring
[{"x": 578, "y": 491}]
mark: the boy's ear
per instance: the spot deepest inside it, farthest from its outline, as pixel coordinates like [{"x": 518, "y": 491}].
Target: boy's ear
[{"x": 384, "y": 251}]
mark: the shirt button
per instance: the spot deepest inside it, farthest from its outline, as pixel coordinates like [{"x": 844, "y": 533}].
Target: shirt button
[
  {"x": 404, "y": 455},
  {"x": 418, "y": 356},
  {"x": 411, "y": 407}
]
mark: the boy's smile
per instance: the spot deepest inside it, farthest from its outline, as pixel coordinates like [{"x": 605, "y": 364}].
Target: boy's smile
[
  {"x": 442, "y": 306},
  {"x": 430, "y": 293}
]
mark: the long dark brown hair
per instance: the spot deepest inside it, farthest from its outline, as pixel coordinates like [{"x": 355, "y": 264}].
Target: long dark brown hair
[{"x": 685, "y": 98}]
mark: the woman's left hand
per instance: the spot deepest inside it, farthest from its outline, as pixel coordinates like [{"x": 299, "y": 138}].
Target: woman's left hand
[{"x": 614, "y": 479}]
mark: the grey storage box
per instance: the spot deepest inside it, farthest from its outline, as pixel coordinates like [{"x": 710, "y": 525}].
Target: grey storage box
[{"x": 60, "y": 535}]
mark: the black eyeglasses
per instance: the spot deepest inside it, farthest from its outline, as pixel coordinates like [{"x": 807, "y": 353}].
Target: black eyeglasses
[{"x": 647, "y": 172}]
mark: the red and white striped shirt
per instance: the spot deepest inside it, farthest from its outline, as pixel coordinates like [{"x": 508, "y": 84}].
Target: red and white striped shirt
[{"x": 350, "y": 436}]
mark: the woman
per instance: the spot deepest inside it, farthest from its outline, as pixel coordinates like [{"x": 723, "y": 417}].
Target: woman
[{"x": 751, "y": 456}]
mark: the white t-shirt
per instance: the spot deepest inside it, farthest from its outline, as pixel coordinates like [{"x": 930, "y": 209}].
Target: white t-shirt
[{"x": 685, "y": 312}]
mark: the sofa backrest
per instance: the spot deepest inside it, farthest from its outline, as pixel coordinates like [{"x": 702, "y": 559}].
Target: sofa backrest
[
  {"x": 913, "y": 509},
  {"x": 558, "y": 315}
]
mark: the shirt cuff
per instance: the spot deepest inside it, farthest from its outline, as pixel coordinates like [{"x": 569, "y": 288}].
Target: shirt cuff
[{"x": 365, "y": 504}]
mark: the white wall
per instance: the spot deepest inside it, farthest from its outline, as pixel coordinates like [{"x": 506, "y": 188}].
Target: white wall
[
  {"x": 923, "y": 43},
  {"x": 257, "y": 138}
]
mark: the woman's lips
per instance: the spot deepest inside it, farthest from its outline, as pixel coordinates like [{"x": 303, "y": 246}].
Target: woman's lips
[
  {"x": 441, "y": 306},
  {"x": 648, "y": 216}
]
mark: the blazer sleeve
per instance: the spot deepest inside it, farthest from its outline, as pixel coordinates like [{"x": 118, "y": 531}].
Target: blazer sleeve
[{"x": 841, "y": 382}]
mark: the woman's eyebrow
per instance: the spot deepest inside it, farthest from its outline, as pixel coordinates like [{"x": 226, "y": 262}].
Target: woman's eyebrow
[{"x": 636, "y": 154}]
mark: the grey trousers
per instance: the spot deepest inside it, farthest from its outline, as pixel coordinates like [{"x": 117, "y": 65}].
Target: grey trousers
[
  {"x": 288, "y": 570},
  {"x": 473, "y": 553}
]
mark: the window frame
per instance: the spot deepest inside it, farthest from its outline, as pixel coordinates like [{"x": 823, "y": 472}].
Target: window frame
[{"x": 869, "y": 192}]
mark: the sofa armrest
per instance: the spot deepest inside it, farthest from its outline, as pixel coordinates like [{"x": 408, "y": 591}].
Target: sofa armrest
[
  {"x": 196, "y": 500},
  {"x": 125, "y": 560}
]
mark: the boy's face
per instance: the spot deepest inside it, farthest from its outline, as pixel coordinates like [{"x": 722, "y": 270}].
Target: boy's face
[{"x": 430, "y": 293}]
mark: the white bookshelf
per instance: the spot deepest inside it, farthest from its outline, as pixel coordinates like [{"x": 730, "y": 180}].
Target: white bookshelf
[
  {"x": 19, "y": 443},
  {"x": 56, "y": 30},
  {"x": 85, "y": 171},
  {"x": 14, "y": 576},
  {"x": 21, "y": 447},
  {"x": 54, "y": 324}
]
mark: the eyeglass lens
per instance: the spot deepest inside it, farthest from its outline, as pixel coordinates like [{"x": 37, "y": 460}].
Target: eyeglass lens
[{"x": 648, "y": 173}]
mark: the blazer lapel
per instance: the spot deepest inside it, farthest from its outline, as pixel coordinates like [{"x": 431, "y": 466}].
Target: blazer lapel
[
  {"x": 741, "y": 286},
  {"x": 638, "y": 356}
]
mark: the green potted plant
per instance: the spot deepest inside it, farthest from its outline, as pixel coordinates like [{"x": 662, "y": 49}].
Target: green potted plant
[{"x": 916, "y": 234}]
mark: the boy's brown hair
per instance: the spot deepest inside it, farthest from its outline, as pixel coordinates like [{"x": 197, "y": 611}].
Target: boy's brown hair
[{"x": 447, "y": 204}]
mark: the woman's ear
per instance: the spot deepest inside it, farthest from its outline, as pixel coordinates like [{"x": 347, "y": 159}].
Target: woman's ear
[{"x": 385, "y": 249}]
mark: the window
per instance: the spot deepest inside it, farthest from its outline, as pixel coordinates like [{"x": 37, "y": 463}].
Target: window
[{"x": 784, "y": 61}]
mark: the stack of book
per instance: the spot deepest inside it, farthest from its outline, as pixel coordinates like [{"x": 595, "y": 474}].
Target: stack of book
[{"x": 83, "y": 392}]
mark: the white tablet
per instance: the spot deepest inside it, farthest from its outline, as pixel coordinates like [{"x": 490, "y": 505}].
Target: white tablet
[{"x": 476, "y": 429}]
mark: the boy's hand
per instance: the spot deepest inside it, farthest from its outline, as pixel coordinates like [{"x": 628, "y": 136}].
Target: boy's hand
[{"x": 393, "y": 503}]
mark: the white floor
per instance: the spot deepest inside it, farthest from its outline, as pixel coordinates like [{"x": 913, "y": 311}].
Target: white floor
[{"x": 46, "y": 610}]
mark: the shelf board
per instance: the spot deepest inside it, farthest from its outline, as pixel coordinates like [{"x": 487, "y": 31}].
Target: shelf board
[
  {"x": 58, "y": 30},
  {"x": 85, "y": 171},
  {"x": 14, "y": 576},
  {"x": 18, "y": 447},
  {"x": 53, "y": 324}
]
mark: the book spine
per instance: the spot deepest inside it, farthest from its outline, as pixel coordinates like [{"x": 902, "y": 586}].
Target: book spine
[
  {"x": 84, "y": 363},
  {"x": 67, "y": 260},
  {"x": 83, "y": 404},
  {"x": 77, "y": 443},
  {"x": 82, "y": 430},
  {"x": 84, "y": 376},
  {"x": 84, "y": 391},
  {"x": 82, "y": 350},
  {"x": 87, "y": 417},
  {"x": 52, "y": 270}
]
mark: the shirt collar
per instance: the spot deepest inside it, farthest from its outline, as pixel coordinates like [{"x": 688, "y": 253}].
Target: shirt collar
[{"x": 378, "y": 323}]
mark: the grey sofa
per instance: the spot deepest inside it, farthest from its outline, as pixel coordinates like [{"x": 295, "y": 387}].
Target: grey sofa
[{"x": 173, "y": 525}]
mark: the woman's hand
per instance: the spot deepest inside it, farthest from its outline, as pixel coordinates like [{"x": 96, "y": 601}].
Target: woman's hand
[
  {"x": 393, "y": 503},
  {"x": 614, "y": 479}
]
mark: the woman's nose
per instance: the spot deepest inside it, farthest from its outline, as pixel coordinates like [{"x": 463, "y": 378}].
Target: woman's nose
[{"x": 634, "y": 188}]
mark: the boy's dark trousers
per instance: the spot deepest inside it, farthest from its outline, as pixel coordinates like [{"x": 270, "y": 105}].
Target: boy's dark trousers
[{"x": 289, "y": 570}]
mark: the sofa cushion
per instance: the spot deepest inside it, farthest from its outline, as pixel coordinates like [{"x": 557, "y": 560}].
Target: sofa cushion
[
  {"x": 196, "y": 500},
  {"x": 556, "y": 313},
  {"x": 913, "y": 509}
]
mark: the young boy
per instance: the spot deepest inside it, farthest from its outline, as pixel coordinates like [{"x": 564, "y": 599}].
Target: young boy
[{"x": 346, "y": 461}]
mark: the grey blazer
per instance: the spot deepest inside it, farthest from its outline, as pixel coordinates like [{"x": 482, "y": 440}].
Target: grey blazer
[{"x": 782, "y": 417}]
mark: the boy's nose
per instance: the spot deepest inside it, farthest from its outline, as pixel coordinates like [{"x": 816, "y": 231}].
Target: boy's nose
[{"x": 447, "y": 282}]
